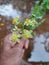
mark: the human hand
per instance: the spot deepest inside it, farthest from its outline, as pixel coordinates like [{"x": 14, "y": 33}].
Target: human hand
[{"x": 12, "y": 53}]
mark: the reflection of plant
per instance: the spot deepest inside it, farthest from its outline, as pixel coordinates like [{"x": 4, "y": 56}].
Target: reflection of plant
[{"x": 25, "y": 28}]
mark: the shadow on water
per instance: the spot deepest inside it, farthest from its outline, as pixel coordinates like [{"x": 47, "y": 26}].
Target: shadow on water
[{"x": 39, "y": 46}]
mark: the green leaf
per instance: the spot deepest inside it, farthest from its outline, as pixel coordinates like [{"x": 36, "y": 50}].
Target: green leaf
[
  {"x": 47, "y": 5},
  {"x": 30, "y": 27}
]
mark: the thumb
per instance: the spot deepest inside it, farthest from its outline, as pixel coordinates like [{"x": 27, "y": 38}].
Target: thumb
[{"x": 26, "y": 44}]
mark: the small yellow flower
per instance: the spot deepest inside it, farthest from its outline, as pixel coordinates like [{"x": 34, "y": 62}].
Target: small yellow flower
[
  {"x": 27, "y": 35},
  {"x": 27, "y": 20},
  {"x": 14, "y": 38},
  {"x": 15, "y": 21}
]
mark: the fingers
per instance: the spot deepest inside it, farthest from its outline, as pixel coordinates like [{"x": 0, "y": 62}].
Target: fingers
[
  {"x": 8, "y": 41},
  {"x": 22, "y": 44},
  {"x": 26, "y": 44}
]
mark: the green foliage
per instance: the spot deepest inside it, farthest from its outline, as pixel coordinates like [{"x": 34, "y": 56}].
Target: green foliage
[
  {"x": 25, "y": 28},
  {"x": 46, "y": 3},
  {"x": 39, "y": 11}
]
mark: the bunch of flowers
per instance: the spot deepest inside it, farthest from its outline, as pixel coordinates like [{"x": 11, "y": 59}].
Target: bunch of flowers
[
  {"x": 23, "y": 29},
  {"x": 26, "y": 27}
]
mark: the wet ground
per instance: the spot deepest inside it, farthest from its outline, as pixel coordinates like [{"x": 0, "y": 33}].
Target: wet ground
[{"x": 39, "y": 46}]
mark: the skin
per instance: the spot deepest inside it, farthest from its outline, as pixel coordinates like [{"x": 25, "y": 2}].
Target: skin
[{"x": 12, "y": 53}]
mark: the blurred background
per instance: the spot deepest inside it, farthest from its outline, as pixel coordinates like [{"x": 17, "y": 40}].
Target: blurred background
[{"x": 10, "y": 9}]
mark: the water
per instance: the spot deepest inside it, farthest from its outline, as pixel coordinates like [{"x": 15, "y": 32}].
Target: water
[
  {"x": 41, "y": 48},
  {"x": 8, "y": 10}
]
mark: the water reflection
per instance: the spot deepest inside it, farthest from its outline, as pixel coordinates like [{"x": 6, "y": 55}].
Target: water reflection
[
  {"x": 8, "y": 10},
  {"x": 41, "y": 48}
]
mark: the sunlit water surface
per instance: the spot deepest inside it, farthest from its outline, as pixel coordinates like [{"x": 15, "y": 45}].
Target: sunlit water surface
[
  {"x": 41, "y": 48},
  {"x": 8, "y": 10}
]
